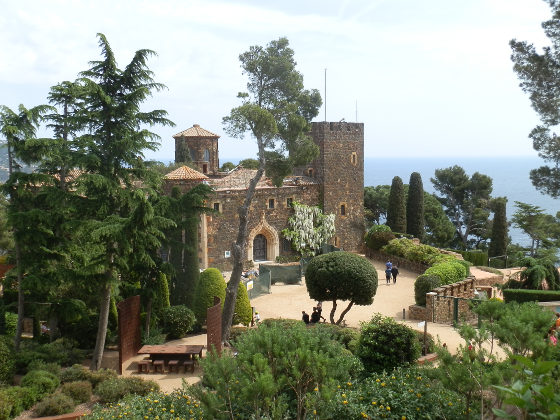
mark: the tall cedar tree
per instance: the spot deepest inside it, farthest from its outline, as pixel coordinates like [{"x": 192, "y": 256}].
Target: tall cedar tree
[
  {"x": 540, "y": 78},
  {"x": 415, "y": 207},
  {"x": 276, "y": 110},
  {"x": 499, "y": 235},
  {"x": 396, "y": 213},
  {"x": 30, "y": 229},
  {"x": 114, "y": 144}
]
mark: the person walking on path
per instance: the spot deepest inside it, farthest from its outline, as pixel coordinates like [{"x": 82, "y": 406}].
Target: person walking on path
[
  {"x": 315, "y": 316},
  {"x": 388, "y": 276},
  {"x": 395, "y": 273},
  {"x": 389, "y": 264},
  {"x": 320, "y": 310},
  {"x": 305, "y": 317}
]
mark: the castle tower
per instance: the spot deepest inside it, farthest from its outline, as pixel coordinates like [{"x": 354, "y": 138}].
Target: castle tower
[
  {"x": 202, "y": 147},
  {"x": 340, "y": 169}
]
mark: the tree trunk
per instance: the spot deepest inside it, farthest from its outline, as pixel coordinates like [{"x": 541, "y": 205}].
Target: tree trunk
[
  {"x": 21, "y": 300},
  {"x": 344, "y": 312},
  {"x": 239, "y": 250},
  {"x": 333, "y": 310},
  {"x": 102, "y": 325}
]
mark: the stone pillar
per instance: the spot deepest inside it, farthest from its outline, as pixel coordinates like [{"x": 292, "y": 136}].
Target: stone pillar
[{"x": 431, "y": 306}]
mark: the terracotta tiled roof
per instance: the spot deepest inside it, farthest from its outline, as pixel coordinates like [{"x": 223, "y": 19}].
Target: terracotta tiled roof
[
  {"x": 184, "y": 172},
  {"x": 239, "y": 179},
  {"x": 196, "y": 131}
]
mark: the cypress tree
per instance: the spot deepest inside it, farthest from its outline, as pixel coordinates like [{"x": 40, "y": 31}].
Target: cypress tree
[
  {"x": 396, "y": 213},
  {"x": 499, "y": 236},
  {"x": 415, "y": 207}
]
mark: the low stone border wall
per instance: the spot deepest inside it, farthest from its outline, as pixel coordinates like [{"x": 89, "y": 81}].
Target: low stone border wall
[{"x": 69, "y": 416}]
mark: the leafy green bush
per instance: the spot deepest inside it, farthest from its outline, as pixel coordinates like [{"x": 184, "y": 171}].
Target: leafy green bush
[
  {"x": 425, "y": 283},
  {"x": 15, "y": 399},
  {"x": 42, "y": 365},
  {"x": 527, "y": 295},
  {"x": 54, "y": 405},
  {"x": 243, "y": 311},
  {"x": 476, "y": 257},
  {"x": 178, "y": 321},
  {"x": 159, "y": 405},
  {"x": 74, "y": 373},
  {"x": 423, "y": 254},
  {"x": 466, "y": 265},
  {"x": 404, "y": 393},
  {"x": 99, "y": 376},
  {"x": 80, "y": 392},
  {"x": 115, "y": 389},
  {"x": 157, "y": 336},
  {"x": 449, "y": 272},
  {"x": 385, "y": 344},
  {"x": 11, "y": 323},
  {"x": 62, "y": 352},
  {"x": 346, "y": 336},
  {"x": 8, "y": 364},
  {"x": 378, "y": 236},
  {"x": 161, "y": 299},
  {"x": 210, "y": 284},
  {"x": 42, "y": 381}
]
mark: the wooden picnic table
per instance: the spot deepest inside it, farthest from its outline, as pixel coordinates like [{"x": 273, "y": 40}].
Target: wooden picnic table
[{"x": 170, "y": 351}]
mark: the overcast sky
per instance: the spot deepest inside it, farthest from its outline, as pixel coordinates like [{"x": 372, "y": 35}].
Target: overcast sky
[{"x": 427, "y": 78}]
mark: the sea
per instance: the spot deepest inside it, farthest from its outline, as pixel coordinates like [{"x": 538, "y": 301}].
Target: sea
[{"x": 510, "y": 178}]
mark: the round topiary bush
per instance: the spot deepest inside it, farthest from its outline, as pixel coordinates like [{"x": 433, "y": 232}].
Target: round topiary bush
[
  {"x": 210, "y": 284},
  {"x": 385, "y": 344},
  {"x": 378, "y": 240},
  {"x": 243, "y": 311},
  {"x": 8, "y": 364},
  {"x": 178, "y": 321},
  {"x": 54, "y": 405},
  {"x": 42, "y": 381},
  {"x": 424, "y": 284}
]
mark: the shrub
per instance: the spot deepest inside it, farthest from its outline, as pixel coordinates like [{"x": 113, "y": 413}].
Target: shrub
[
  {"x": 449, "y": 272},
  {"x": 476, "y": 257},
  {"x": 99, "y": 376},
  {"x": 161, "y": 299},
  {"x": 243, "y": 311},
  {"x": 11, "y": 323},
  {"x": 466, "y": 265},
  {"x": 211, "y": 284},
  {"x": 8, "y": 364},
  {"x": 42, "y": 381},
  {"x": 15, "y": 399},
  {"x": 178, "y": 321},
  {"x": 54, "y": 405},
  {"x": 80, "y": 392},
  {"x": 423, "y": 254},
  {"x": 378, "y": 240},
  {"x": 62, "y": 352},
  {"x": 42, "y": 365},
  {"x": 385, "y": 344},
  {"x": 527, "y": 295},
  {"x": 115, "y": 389},
  {"x": 424, "y": 284},
  {"x": 175, "y": 405},
  {"x": 346, "y": 336},
  {"x": 74, "y": 373}
]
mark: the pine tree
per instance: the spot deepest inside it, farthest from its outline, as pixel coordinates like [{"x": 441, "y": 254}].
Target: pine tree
[
  {"x": 499, "y": 235},
  {"x": 396, "y": 213},
  {"x": 415, "y": 207}
]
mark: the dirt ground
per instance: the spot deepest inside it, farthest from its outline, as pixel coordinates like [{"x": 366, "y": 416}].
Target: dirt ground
[{"x": 287, "y": 301}]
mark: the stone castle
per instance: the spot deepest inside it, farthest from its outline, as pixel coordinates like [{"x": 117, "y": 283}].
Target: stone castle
[{"x": 334, "y": 180}]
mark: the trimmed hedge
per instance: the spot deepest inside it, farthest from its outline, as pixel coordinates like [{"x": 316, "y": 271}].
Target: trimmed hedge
[
  {"x": 424, "y": 254},
  {"x": 424, "y": 284},
  {"x": 526, "y": 295},
  {"x": 449, "y": 272},
  {"x": 178, "y": 321},
  {"x": 243, "y": 311},
  {"x": 210, "y": 284},
  {"x": 475, "y": 257}
]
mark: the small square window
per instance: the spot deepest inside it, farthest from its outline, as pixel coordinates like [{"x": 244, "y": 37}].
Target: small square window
[
  {"x": 289, "y": 202},
  {"x": 271, "y": 203},
  {"x": 216, "y": 206},
  {"x": 343, "y": 209}
]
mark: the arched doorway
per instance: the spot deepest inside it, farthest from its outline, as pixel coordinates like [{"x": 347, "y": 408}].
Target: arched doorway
[{"x": 259, "y": 248}]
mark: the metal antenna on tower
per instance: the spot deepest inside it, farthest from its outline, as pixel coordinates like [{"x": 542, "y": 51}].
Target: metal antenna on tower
[{"x": 325, "y": 95}]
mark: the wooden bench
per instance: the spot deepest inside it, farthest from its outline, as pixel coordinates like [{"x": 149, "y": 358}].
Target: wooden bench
[
  {"x": 174, "y": 364},
  {"x": 158, "y": 364},
  {"x": 144, "y": 366},
  {"x": 190, "y": 363}
]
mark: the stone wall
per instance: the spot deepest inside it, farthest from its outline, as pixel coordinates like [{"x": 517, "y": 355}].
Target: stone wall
[
  {"x": 222, "y": 228},
  {"x": 129, "y": 329},
  {"x": 440, "y": 302}
]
